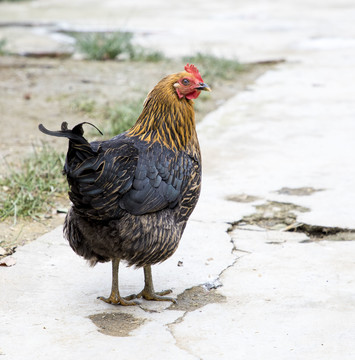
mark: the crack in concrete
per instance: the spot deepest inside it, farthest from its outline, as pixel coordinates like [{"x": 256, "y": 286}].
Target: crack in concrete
[
  {"x": 209, "y": 295},
  {"x": 170, "y": 326},
  {"x": 282, "y": 216},
  {"x": 316, "y": 232},
  {"x": 216, "y": 298},
  {"x": 179, "y": 343}
]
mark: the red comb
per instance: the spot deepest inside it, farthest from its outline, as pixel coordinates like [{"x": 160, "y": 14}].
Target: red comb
[{"x": 192, "y": 69}]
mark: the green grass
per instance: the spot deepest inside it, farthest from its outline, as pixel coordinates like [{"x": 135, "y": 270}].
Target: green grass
[
  {"x": 213, "y": 67},
  {"x": 103, "y": 46},
  {"x": 121, "y": 117},
  {"x": 109, "y": 46},
  {"x": 84, "y": 106},
  {"x": 113, "y": 119},
  {"x": 2, "y": 46},
  {"x": 30, "y": 190},
  {"x": 138, "y": 53}
]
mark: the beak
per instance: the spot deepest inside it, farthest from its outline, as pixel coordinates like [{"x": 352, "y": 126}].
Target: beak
[{"x": 203, "y": 86}]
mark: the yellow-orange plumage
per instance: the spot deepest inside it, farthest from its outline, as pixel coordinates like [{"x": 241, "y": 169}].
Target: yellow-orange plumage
[{"x": 166, "y": 118}]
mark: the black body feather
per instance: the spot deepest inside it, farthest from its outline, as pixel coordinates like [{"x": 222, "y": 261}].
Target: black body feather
[{"x": 131, "y": 198}]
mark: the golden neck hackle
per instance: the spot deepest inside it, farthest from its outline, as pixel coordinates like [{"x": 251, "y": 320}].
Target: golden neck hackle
[{"x": 166, "y": 118}]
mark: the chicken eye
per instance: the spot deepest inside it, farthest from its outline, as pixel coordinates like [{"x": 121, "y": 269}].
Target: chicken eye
[{"x": 185, "y": 81}]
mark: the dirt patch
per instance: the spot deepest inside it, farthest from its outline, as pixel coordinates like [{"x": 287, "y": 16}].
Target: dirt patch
[
  {"x": 116, "y": 323},
  {"x": 195, "y": 298},
  {"x": 282, "y": 216},
  {"x": 273, "y": 215},
  {"x": 243, "y": 198},
  {"x": 26, "y": 230},
  {"x": 302, "y": 191}
]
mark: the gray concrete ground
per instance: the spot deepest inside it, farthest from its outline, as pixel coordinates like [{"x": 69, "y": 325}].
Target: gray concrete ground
[{"x": 280, "y": 295}]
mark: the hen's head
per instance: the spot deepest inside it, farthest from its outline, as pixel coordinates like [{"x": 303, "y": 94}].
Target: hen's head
[{"x": 189, "y": 83}]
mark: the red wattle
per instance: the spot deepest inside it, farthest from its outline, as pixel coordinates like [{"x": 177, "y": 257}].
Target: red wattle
[{"x": 193, "y": 95}]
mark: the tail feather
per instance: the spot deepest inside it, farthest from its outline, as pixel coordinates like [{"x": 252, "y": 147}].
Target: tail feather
[
  {"x": 75, "y": 134},
  {"x": 79, "y": 148}
]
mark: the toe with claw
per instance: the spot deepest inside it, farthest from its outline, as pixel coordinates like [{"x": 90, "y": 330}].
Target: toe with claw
[
  {"x": 116, "y": 299},
  {"x": 148, "y": 292}
]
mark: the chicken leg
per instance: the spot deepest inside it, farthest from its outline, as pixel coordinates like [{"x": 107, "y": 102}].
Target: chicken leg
[
  {"x": 115, "y": 298},
  {"x": 148, "y": 292}
]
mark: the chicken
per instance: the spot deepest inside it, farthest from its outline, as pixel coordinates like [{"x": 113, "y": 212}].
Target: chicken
[{"x": 133, "y": 194}]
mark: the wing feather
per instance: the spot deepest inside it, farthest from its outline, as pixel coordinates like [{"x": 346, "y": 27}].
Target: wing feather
[{"x": 128, "y": 176}]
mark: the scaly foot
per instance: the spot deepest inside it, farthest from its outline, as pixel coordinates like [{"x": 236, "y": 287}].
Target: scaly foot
[
  {"x": 116, "y": 299},
  {"x": 156, "y": 296},
  {"x": 148, "y": 292}
]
